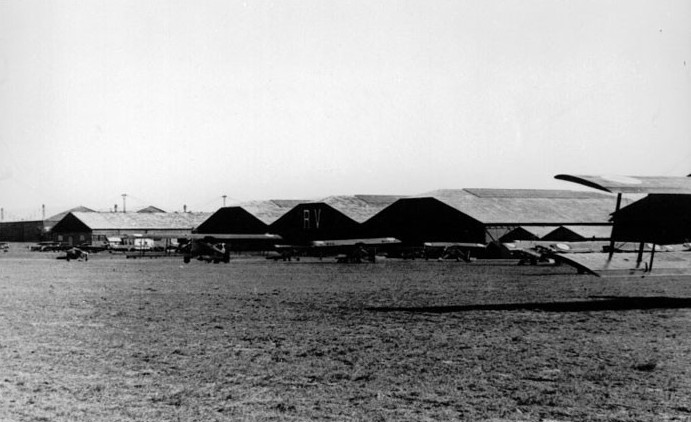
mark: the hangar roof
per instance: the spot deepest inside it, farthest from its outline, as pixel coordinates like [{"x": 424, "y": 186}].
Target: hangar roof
[
  {"x": 538, "y": 231},
  {"x": 528, "y": 206},
  {"x": 632, "y": 184},
  {"x": 591, "y": 232},
  {"x": 57, "y": 217},
  {"x": 521, "y": 233},
  {"x": 270, "y": 210},
  {"x": 141, "y": 221},
  {"x": 360, "y": 207},
  {"x": 150, "y": 208}
]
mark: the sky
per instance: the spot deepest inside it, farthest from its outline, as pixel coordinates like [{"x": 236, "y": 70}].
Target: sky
[{"x": 178, "y": 103}]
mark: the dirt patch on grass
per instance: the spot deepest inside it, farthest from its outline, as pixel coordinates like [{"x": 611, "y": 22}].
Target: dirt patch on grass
[{"x": 116, "y": 339}]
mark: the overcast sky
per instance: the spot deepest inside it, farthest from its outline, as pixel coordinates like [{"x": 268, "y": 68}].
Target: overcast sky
[{"x": 181, "y": 102}]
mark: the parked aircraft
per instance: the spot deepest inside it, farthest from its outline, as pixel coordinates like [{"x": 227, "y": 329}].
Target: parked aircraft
[
  {"x": 75, "y": 253},
  {"x": 354, "y": 250},
  {"x": 344, "y": 250},
  {"x": 215, "y": 247},
  {"x": 660, "y": 220},
  {"x": 451, "y": 250}
]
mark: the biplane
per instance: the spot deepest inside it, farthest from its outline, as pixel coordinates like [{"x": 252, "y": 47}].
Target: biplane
[
  {"x": 343, "y": 250},
  {"x": 354, "y": 250},
  {"x": 661, "y": 219},
  {"x": 457, "y": 251},
  {"x": 215, "y": 247}
]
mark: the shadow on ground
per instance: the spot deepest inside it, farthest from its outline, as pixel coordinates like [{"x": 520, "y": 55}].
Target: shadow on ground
[{"x": 598, "y": 303}]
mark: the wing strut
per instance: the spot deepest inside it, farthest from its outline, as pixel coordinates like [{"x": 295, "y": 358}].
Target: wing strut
[{"x": 611, "y": 238}]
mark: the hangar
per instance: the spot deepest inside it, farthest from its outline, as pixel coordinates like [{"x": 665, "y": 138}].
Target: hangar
[
  {"x": 579, "y": 233},
  {"x": 527, "y": 233},
  {"x": 332, "y": 218},
  {"x": 22, "y": 231},
  {"x": 34, "y": 230},
  {"x": 486, "y": 215},
  {"x": 53, "y": 220},
  {"x": 92, "y": 227},
  {"x": 249, "y": 218},
  {"x": 662, "y": 219}
]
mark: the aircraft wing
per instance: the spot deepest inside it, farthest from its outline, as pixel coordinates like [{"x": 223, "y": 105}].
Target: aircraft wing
[
  {"x": 455, "y": 245},
  {"x": 238, "y": 236},
  {"x": 632, "y": 184},
  {"x": 378, "y": 241}
]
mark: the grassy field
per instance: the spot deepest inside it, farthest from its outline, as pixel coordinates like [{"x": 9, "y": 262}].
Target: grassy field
[{"x": 150, "y": 340}]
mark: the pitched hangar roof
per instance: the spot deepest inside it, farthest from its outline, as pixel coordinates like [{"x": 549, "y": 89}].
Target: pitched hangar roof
[
  {"x": 527, "y": 206},
  {"x": 141, "y": 221},
  {"x": 270, "y": 210},
  {"x": 590, "y": 232},
  {"x": 360, "y": 207},
  {"x": 57, "y": 217}
]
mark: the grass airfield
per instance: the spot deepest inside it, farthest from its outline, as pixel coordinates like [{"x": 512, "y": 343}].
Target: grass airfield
[{"x": 116, "y": 339}]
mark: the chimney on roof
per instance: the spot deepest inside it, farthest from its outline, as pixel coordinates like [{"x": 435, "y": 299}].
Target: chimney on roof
[
  {"x": 2, "y": 214},
  {"x": 184, "y": 208},
  {"x": 115, "y": 207},
  {"x": 43, "y": 212}
]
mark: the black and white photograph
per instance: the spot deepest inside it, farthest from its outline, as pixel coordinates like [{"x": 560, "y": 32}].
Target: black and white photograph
[{"x": 345, "y": 210}]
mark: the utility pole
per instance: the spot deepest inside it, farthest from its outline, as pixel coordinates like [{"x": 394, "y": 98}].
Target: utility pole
[{"x": 124, "y": 196}]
